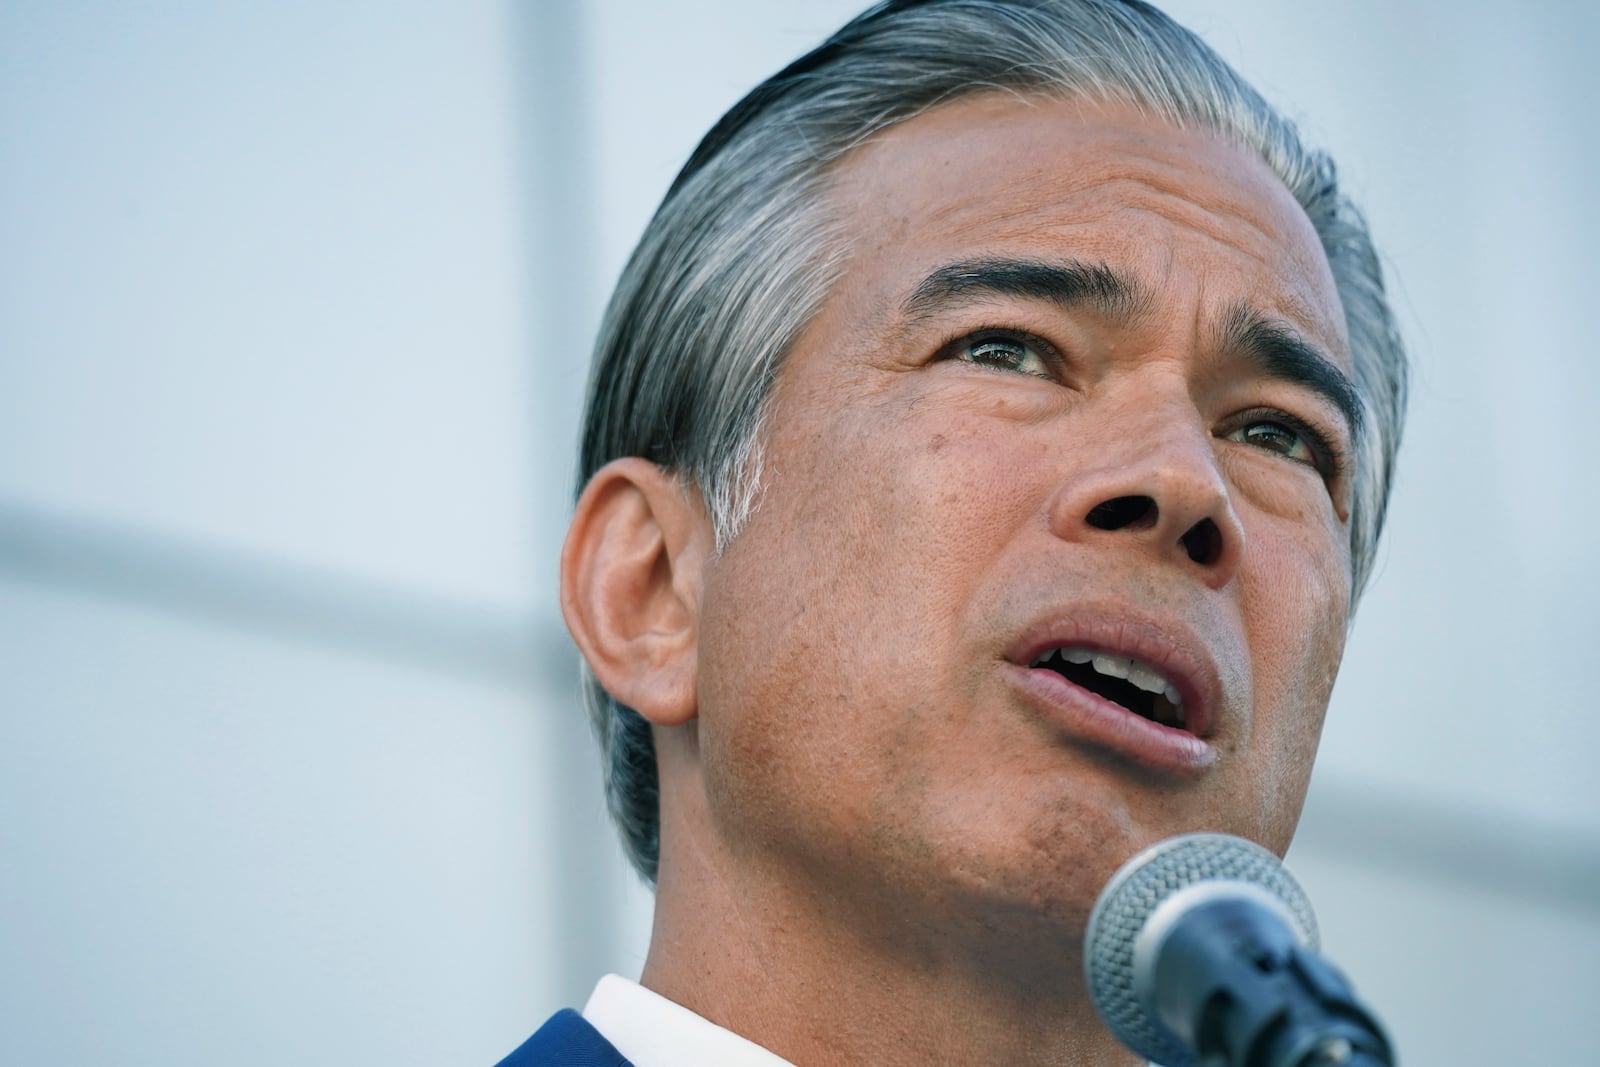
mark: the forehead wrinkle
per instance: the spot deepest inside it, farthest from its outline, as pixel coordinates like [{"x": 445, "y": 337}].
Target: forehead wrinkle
[
  {"x": 1275, "y": 249},
  {"x": 1279, "y": 259},
  {"x": 1209, "y": 218},
  {"x": 1154, "y": 170},
  {"x": 1104, "y": 198},
  {"x": 1169, "y": 176}
]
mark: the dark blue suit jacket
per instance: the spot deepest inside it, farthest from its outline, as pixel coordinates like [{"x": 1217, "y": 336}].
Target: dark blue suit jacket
[{"x": 567, "y": 1040}]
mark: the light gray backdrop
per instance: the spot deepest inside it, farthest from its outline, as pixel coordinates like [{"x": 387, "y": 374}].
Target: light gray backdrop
[{"x": 295, "y": 306}]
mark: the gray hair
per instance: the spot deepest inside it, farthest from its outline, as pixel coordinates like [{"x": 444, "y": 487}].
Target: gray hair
[{"x": 742, "y": 252}]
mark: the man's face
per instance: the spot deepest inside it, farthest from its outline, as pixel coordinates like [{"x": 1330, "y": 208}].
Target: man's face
[{"x": 1065, "y": 400}]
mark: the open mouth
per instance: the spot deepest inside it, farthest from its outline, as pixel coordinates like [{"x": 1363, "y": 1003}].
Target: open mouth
[{"x": 1122, "y": 680}]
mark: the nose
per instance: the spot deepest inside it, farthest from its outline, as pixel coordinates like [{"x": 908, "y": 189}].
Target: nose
[{"x": 1153, "y": 486}]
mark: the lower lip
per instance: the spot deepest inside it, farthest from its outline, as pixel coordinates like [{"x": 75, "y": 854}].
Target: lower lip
[{"x": 1107, "y": 725}]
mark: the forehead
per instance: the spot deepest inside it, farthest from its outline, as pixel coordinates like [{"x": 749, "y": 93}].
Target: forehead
[{"x": 1177, "y": 210}]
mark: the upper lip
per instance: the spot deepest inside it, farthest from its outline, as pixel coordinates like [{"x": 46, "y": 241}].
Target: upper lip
[{"x": 1168, "y": 646}]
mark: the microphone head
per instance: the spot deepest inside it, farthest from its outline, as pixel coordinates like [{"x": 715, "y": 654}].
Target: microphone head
[{"x": 1133, "y": 895}]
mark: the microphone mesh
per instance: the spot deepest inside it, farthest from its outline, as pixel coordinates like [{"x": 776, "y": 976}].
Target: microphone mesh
[{"x": 1133, "y": 894}]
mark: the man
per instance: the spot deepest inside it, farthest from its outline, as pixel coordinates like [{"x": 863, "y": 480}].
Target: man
[{"x": 986, "y": 445}]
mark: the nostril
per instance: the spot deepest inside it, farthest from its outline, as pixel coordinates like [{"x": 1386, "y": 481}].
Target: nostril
[
  {"x": 1122, "y": 512},
  {"x": 1203, "y": 542}
]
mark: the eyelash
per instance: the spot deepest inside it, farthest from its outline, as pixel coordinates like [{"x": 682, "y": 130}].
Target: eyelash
[
  {"x": 1329, "y": 458},
  {"x": 952, "y": 348}
]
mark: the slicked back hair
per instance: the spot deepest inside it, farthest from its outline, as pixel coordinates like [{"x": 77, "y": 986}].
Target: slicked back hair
[{"x": 741, "y": 253}]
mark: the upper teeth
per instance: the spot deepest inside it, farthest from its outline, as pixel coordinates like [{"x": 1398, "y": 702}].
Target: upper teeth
[{"x": 1140, "y": 674}]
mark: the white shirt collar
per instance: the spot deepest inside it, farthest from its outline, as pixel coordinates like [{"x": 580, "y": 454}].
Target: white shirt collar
[{"x": 652, "y": 1031}]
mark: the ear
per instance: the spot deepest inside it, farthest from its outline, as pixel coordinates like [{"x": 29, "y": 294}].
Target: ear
[{"x": 630, "y": 586}]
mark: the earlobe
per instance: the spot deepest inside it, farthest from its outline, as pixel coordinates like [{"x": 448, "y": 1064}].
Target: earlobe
[{"x": 630, "y": 586}]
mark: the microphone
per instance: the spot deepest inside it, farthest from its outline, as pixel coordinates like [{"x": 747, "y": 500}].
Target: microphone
[{"x": 1201, "y": 952}]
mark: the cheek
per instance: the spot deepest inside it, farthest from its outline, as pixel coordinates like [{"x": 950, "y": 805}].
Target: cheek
[
  {"x": 909, "y": 497},
  {"x": 835, "y": 616},
  {"x": 1297, "y": 598},
  {"x": 1296, "y": 589}
]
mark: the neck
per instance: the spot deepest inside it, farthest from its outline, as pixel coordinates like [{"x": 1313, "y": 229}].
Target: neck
[{"x": 795, "y": 964}]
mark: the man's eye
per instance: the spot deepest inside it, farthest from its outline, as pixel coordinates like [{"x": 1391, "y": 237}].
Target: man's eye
[
  {"x": 1004, "y": 353},
  {"x": 1275, "y": 435}
]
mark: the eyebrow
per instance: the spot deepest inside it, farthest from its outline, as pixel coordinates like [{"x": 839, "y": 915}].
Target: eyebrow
[
  {"x": 1273, "y": 346},
  {"x": 1281, "y": 353},
  {"x": 1070, "y": 284}
]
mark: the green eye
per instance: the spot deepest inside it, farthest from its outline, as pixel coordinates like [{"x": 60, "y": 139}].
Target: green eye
[
  {"x": 1276, "y": 436},
  {"x": 1004, "y": 353}
]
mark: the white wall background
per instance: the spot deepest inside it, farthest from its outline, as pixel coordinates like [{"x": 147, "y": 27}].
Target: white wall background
[{"x": 295, "y": 304}]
